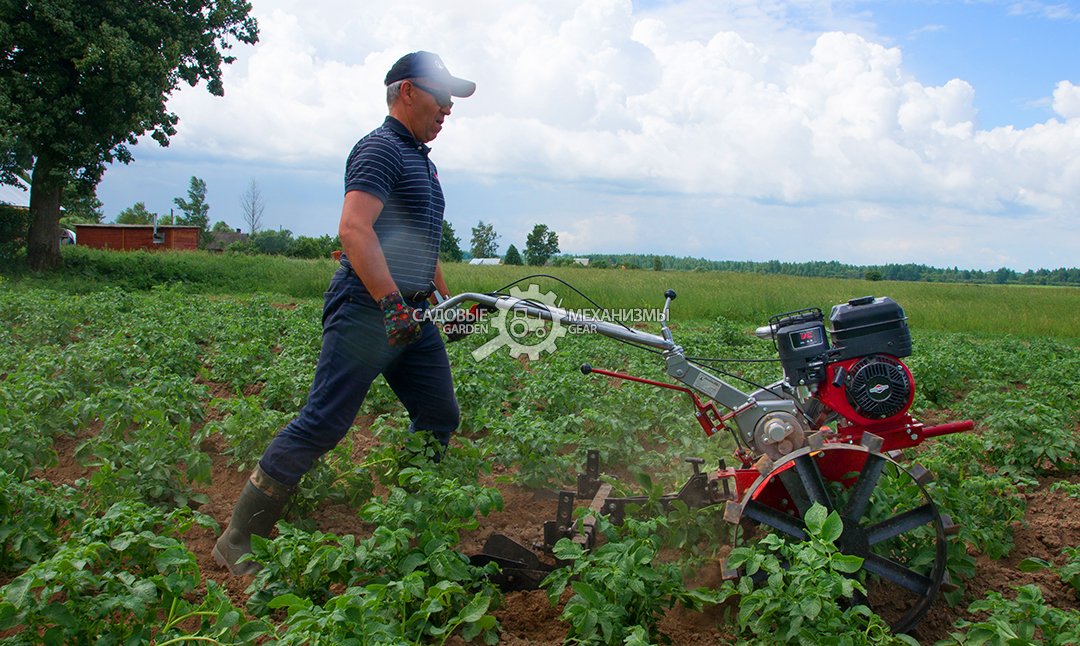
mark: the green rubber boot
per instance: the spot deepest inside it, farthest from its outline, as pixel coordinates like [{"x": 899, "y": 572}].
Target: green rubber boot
[{"x": 259, "y": 507}]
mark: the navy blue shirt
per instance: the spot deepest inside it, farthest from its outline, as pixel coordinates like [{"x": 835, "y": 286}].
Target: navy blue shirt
[{"x": 392, "y": 165}]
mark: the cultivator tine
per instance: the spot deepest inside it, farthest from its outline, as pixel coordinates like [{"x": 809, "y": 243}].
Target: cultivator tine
[
  {"x": 900, "y": 524},
  {"x": 892, "y": 571},
  {"x": 589, "y": 482},
  {"x": 587, "y": 537},
  {"x": 519, "y": 568},
  {"x": 816, "y": 440},
  {"x": 951, "y": 528},
  {"x": 764, "y": 465},
  {"x": 810, "y": 476},
  {"x": 859, "y": 499}
]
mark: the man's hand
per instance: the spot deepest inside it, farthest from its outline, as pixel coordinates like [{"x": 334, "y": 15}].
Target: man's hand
[{"x": 402, "y": 327}]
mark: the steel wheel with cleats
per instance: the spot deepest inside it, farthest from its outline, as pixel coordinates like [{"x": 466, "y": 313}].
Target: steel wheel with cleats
[{"x": 889, "y": 520}]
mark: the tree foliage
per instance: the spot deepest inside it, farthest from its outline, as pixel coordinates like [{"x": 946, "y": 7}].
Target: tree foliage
[
  {"x": 513, "y": 256},
  {"x": 81, "y": 81},
  {"x": 485, "y": 242},
  {"x": 450, "y": 246},
  {"x": 542, "y": 243},
  {"x": 135, "y": 214},
  {"x": 195, "y": 212}
]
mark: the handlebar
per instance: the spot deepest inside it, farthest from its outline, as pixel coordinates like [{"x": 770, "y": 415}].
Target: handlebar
[{"x": 558, "y": 315}]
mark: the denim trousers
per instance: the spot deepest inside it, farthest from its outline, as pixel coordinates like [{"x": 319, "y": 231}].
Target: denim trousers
[{"x": 354, "y": 352}]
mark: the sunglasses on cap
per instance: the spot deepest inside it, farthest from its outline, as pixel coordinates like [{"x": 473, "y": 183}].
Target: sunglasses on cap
[{"x": 442, "y": 97}]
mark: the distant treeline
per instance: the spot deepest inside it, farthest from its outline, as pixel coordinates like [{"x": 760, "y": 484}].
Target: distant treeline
[{"x": 834, "y": 269}]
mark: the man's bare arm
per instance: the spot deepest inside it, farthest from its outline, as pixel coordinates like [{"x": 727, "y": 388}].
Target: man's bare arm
[{"x": 358, "y": 216}]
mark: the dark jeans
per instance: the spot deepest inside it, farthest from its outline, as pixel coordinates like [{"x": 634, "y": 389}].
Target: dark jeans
[{"x": 354, "y": 352}]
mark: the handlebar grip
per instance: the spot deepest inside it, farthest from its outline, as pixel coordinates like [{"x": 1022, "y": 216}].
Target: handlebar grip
[
  {"x": 764, "y": 332},
  {"x": 585, "y": 368},
  {"x": 670, "y": 293}
]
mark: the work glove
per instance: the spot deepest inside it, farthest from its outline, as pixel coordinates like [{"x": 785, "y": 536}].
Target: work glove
[
  {"x": 402, "y": 327},
  {"x": 463, "y": 323}
]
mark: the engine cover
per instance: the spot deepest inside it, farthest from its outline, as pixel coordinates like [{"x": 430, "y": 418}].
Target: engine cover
[
  {"x": 879, "y": 387},
  {"x": 868, "y": 390}
]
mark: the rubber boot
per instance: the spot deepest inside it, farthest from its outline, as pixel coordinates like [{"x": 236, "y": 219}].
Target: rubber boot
[{"x": 259, "y": 507}]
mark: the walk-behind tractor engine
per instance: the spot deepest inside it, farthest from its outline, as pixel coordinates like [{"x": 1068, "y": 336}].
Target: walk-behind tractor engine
[{"x": 829, "y": 433}]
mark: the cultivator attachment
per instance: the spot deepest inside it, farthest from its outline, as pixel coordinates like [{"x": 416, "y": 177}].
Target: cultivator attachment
[{"x": 828, "y": 432}]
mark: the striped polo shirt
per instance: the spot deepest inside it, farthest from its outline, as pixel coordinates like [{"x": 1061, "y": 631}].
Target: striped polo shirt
[{"x": 392, "y": 165}]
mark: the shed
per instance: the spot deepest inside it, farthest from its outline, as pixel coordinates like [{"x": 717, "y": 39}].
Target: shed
[
  {"x": 127, "y": 237},
  {"x": 485, "y": 261}
]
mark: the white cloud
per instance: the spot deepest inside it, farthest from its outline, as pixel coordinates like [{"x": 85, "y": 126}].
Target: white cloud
[
  {"x": 773, "y": 103},
  {"x": 1067, "y": 100}
]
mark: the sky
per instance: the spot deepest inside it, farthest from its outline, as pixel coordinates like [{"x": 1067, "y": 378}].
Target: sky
[{"x": 863, "y": 131}]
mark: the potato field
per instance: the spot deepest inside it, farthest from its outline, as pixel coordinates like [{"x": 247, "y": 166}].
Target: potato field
[{"x": 130, "y": 419}]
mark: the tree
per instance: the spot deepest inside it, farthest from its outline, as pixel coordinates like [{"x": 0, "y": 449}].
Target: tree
[
  {"x": 221, "y": 227},
  {"x": 135, "y": 214},
  {"x": 513, "y": 256},
  {"x": 81, "y": 206},
  {"x": 195, "y": 212},
  {"x": 450, "y": 246},
  {"x": 485, "y": 242},
  {"x": 277, "y": 243},
  {"x": 252, "y": 205},
  {"x": 80, "y": 81},
  {"x": 657, "y": 264},
  {"x": 540, "y": 245}
]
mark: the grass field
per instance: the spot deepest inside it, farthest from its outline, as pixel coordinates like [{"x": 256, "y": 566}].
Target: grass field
[{"x": 746, "y": 298}]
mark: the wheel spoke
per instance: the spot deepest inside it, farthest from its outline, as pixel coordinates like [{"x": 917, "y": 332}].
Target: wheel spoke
[
  {"x": 812, "y": 482},
  {"x": 776, "y": 519},
  {"x": 904, "y": 577},
  {"x": 859, "y": 498},
  {"x": 901, "y": 523}
]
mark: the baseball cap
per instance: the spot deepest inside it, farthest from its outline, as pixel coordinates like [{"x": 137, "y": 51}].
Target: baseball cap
[{"x": 429, "y": 66}]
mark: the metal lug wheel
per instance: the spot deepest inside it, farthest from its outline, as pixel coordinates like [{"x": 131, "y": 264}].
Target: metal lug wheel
[{"x": 889, "y": 521}]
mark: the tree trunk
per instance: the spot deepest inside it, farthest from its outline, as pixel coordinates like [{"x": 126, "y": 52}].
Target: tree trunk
[{"x": 43, "y": 238}]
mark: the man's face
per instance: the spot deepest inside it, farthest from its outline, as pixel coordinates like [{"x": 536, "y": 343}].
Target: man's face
[{"x": 431, "y": 105}]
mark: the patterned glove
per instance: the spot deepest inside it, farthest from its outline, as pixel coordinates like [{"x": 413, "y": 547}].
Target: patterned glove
[
  {"x": 401, "y": 327},
  {"x": 463, "y": 324}
]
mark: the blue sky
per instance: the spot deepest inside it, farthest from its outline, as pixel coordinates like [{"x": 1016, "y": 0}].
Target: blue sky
[{"x": 867, "y": 132}]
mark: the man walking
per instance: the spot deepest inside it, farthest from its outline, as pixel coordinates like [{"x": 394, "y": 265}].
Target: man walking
[{"x": 391, "y": 226}]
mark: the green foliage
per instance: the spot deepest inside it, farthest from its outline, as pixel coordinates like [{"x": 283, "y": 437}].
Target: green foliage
[
  {"x": 195, "y": 211},
  {"x": 620, "y": 585},
  {"x": 1025, "y": 619},
  {"x": 31, "y": 514},
  {"x": 450, "y": 244},
  {"x": 1069, "y": 570},
  {"x": 114, "y": 579},
  {"x": 484, "y": 242},
  {"x": 136, "y": 214},
  {"x": 808, "y": 595},
  {"x": 512, "y": 257},
  {"x": 1031, "y": 437},
  {"x": 541, "y": 244}
]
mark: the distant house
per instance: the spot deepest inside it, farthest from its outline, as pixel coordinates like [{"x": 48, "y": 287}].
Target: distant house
[
  {"x": 127, "y": 237},
  {"x": 220, "y": 240},
  {"x": 16, "y": 196},
  {"x": 486, "y": 261},
  {"x": 584, "y": 262}
]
